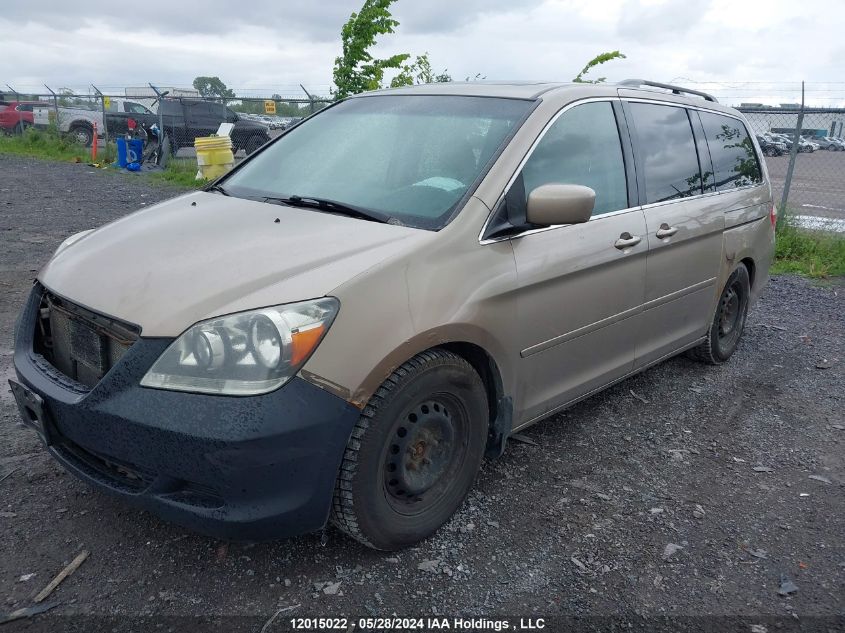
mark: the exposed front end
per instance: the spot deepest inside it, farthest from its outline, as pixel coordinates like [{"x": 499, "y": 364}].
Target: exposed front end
[{"x": 244, "y": 467}]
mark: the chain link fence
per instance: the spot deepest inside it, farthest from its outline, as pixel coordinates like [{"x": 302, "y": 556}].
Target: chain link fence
[
  {"x": 813, "y": 142},
  {"x": 168, "y": 119}
]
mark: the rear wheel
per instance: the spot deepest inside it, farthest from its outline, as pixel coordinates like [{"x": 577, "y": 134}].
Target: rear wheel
[
  {"x": 728, "y": 322},
  {"x": 414, "y": 453}
]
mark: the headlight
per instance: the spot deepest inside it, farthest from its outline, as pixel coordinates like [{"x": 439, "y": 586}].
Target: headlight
[{"x": 246, "y": 353}]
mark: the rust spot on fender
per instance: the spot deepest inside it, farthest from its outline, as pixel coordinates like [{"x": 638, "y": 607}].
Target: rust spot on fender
[{"x": 331, "y": 387}]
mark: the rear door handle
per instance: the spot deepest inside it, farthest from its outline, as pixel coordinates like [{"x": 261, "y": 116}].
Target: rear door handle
[
  {"x": 666, "y": 231},
  {"x": 626, "y": 240}
]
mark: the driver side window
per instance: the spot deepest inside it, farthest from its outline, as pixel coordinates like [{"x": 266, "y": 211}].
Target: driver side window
[{"x": 582, "y": 148}]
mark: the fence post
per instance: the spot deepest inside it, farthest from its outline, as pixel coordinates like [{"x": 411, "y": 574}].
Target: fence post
[
  {"x": 310, "y": 99},
  {"x": 793, "y": 152},
  {"x": 159, "y": 96},
  {"x": 55, "y": 106},
  {"x": 103, "y": 109}
]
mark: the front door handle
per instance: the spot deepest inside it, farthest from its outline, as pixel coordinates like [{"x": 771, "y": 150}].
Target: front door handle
[
  {"x": 666, "y": 231},
  {"x": 626, "y": 240}
]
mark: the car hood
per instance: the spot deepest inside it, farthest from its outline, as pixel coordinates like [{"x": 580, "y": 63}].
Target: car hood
[{"x": 203, "y": 254}]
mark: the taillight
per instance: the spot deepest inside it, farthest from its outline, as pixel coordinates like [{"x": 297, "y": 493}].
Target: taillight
[{"x": 773, "y": 215}]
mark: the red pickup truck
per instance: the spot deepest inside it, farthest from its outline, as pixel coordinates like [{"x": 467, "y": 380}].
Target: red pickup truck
[{"x": 15, "y": 116}]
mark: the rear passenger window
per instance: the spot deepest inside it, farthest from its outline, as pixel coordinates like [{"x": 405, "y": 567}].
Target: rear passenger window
[
  {"x": 731, "y": 150},
  {"x": 582, "y": 148},
  {"x": 667, "y": 152}
]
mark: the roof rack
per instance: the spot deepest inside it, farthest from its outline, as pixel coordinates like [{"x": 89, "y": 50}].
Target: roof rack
[{"x": 636, "y": 83}]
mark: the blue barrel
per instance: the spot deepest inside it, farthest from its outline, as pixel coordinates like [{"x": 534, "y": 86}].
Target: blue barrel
[
  {"x": 135, "y": 150},
  {"x": 121, "y": 152}
]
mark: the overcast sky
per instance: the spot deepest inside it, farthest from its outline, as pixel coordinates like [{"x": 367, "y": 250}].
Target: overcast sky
[{"x": 271, "y": 46}]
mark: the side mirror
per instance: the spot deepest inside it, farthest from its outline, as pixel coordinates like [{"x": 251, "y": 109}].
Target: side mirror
[{"x": 560, "y": 204}]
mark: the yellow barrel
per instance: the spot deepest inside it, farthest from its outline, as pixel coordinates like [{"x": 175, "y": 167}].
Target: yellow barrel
[{"x": 214, "y": 156}]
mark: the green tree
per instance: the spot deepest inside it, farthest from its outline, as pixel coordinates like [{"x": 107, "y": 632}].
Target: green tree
[
  {"x": 419, "y": 72},
  {"x": 597, "y": 61},
  {"x": 213, "y": 87},
  {"x": 356, "y": 70}
]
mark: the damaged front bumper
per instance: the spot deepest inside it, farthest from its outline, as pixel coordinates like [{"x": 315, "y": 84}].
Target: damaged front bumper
[{"x": 253, "y": 468}]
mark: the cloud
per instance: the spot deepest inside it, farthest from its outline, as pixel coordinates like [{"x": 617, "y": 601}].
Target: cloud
[
  {"x": 668, "y": 20},
  {"x": 266, "y": 46}
]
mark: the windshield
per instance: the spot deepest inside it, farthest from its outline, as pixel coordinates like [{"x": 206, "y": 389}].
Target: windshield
[{"x": 410, "y": 157}]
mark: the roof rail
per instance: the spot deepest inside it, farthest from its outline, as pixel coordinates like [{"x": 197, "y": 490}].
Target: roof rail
[{"x": 636, "y": 83}]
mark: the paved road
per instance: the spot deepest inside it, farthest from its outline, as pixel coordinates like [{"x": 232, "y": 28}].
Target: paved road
[{"x": 818, "y": 183}]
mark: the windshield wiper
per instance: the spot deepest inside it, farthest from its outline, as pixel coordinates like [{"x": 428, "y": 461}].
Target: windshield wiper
[
  {"x": 333, "y": 206},
  {"x": 218, "y": 189}
]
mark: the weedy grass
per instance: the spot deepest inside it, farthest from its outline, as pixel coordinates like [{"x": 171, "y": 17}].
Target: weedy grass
[
  {"x": 815, "y": 254},
  {"x": 179, "y": 171},
  {"x": 44, "y": 143}
]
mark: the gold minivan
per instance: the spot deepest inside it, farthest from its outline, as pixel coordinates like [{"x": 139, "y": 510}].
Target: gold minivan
[{"x": 341, "y": 328}]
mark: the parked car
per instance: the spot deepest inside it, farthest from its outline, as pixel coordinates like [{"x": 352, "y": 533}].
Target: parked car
[
  {"x": 344, "y": 325},
  {"x": 770, "y": 147},
  {"x": 829, "y": 143},
  {"x": 807, "y": 145},
  {"x": 803, "y": 144},
  {"x": 80, "y": 122},
  {"x": 270, "y": 122},
  {"x": 16, "y": 116},
  {"x": 782, "y": 144},
  {"x": 186, "y": 119},
  {"x": 783, "y": 138}
]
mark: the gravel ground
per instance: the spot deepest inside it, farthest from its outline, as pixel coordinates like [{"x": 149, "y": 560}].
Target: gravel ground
[{"x": 688, "y": 490}]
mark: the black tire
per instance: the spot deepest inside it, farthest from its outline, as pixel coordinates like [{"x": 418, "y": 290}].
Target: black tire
[
  {"x": 770, "y": 151},
  {"x": 413, "y": 455},
  {"x": 82, "y": 134},
  {"x": 728, "y": 322}
]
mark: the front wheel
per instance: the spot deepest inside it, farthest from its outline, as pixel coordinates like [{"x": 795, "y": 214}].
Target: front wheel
[
  {"x": 414, "y": 453},
  {"x": 728, "y": 322},
  {"x": 82, "y": 134}
]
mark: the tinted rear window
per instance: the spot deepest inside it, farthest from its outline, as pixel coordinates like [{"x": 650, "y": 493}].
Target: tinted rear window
[
  {"x": 666, "y": 151},
  {"x": 731, "y": 150}
]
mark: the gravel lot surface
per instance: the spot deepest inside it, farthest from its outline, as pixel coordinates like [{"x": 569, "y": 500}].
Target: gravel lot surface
[{"x": 688, "y": 490}]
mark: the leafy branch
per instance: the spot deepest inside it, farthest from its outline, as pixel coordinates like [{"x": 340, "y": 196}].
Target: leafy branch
[
  {"x": 356, "y": 70},
  {"x": 597, "y": 61}
]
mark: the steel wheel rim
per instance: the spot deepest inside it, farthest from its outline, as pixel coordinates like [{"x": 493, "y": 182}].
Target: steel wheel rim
[
  {"x": 729, "y": 311},
  {"x": 424, "y": 453}
]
